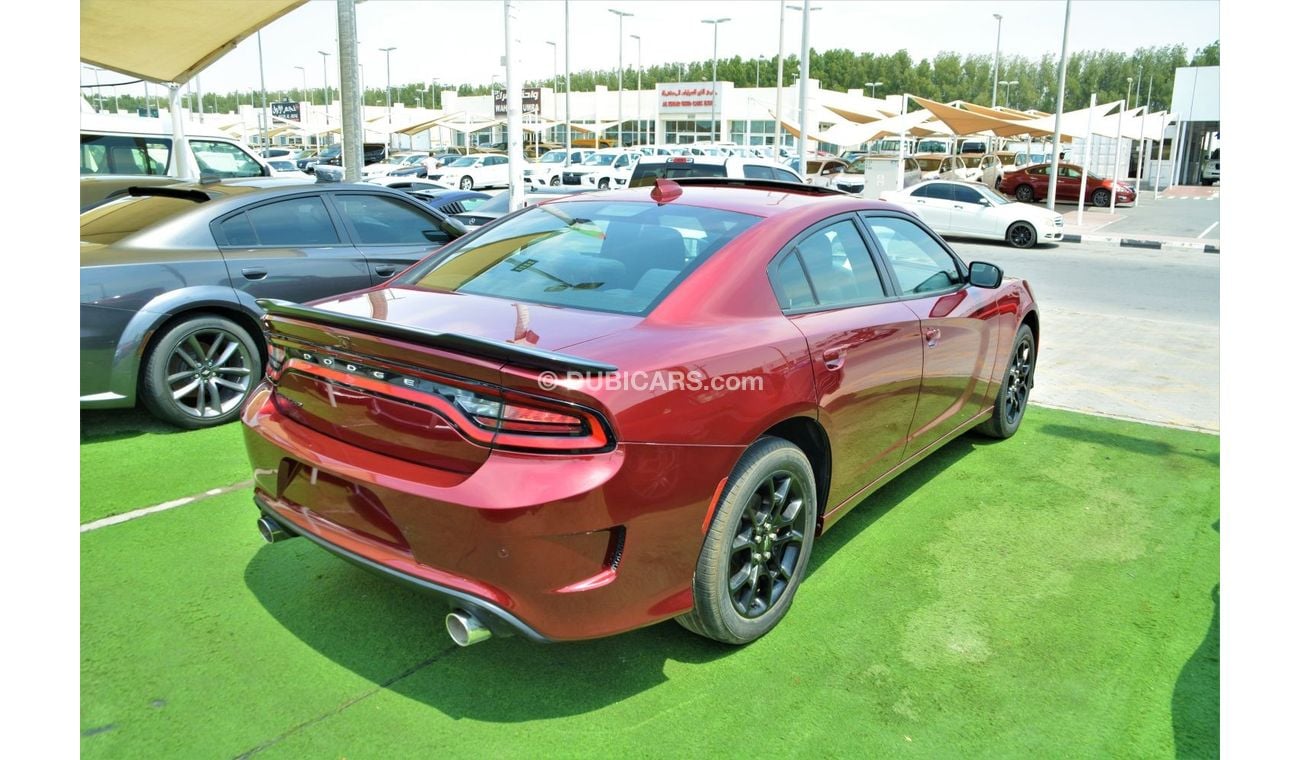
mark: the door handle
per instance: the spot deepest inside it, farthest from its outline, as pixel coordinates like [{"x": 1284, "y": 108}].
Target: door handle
[
  {"x": 931, "y": 336},
  {"x": 834, "y": 358},
  {"x": 254, "y": 273},
  {"x": 956, "y": 205},
  {"x": 918, "y": 200},
  {"x": 386, "y": 270}
]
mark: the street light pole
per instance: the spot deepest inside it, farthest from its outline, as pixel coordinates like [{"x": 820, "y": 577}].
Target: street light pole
[
  {"x": 266, "y": 119},
  {"x": 555, "y": 82},
  {"x": 997, "y": 55},
  {"x": 388, "y": 84},
  {"x": 620, "y": 15},
  {"x": 1007, "y": 94},
  {"x": 1060, "y": 107},
  {"x": 303, "y": 69},
  {"x": 568, "y": 125},
  {"x": 325, "y": 91},
  {"x": 637, "y": 37},
  {"x": 713, "y": 98},
  {"x": 780, "y": 81},
  {"x": 803, "y": 90},
  {"x": 873, "y": 86}
]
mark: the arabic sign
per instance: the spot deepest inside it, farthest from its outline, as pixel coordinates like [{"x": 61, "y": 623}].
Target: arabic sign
[
  {"x": 532, "y": 101},
  {"x": 688, "y": 97},
  {"x": 286, "y": 109}
]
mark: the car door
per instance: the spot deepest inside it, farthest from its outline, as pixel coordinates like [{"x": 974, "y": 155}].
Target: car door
[
  {"x": 969, "y": 212},
  {"x": 289, "y": 248},
  {"x": 933, "y": 203},
  {"x": 958, "y": 327},
  {"x": 865, "y": 349},
  {"x": 391, "y": 232},
  {"x": 497, "y": 170},
  {"x": 1068, "y": 182}
]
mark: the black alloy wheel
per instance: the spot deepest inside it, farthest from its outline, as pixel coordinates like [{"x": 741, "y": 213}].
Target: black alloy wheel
[
  {"x": 1013, "y": 397},
  {"x": 1022, "y": 235}
]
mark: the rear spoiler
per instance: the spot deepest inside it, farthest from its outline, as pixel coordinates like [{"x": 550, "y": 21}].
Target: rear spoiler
[{"x": 509, "y": 353}]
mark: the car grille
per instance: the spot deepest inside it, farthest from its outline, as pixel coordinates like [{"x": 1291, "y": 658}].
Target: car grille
[
  {"x": 572, "y": 178},
  {"x": 849, "y": 188}
]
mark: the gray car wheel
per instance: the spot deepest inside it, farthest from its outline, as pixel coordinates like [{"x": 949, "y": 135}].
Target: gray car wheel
[
  {"x": 199, "y": 371},
  {"x": 467, "y": 183}
]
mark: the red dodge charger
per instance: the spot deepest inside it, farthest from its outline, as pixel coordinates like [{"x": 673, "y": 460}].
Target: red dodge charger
[{"x": 609, "y": 410}]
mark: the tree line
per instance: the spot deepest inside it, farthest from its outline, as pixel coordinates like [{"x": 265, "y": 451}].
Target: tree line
[{"x": 946, "y": 77}]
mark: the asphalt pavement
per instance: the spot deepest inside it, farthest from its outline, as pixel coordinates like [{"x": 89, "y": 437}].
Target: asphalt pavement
[
  {"x": 1185, "y": 217},
  {"x": 1126, "y": 332}
]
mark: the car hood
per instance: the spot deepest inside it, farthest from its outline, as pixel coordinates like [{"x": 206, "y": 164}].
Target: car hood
[{"x": 530, "y": 324}]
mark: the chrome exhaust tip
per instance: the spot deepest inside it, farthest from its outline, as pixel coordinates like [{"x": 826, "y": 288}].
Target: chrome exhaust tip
[
  {"x": 272, "y": 531},
  {"x": 465, "y": 629}
]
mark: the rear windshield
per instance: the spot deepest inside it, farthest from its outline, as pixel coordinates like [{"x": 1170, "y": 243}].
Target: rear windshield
[
  {"x": 647, "y": 173},
  {"x": 929, "y": 164},
  {"x": 621, "y": 257},
  {"x": 126, "y": 216}
]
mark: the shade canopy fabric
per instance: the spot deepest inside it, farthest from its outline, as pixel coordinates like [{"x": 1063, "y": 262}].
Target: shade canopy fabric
[
  {"x": 170, "y": 40},
  {"x": 1074, "y": 124}
]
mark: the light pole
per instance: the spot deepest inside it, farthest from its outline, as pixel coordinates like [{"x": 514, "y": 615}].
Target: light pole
[
  {"x": 555, "y": 81},
  {"x": 388, "y": 82},
  {"x": 997, "y": 54},
  {"x": 325, "y": 91},
  {"x": 1128, "y": 92},
  {"x": 873, "y": 86},
  {"x": 303, "y": 69},
  {"x": 803, "y": 90},
  {"x": 621, "y": 15},
  {"x": 637, "y": 37},
  {"x": 1007, "y": 95},
  {"x": 780, "y": 67},
  {"x": 713, "y": 96}
]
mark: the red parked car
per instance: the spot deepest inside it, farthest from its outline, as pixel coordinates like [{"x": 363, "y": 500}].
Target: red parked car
[
  {"x": 1030, "y": 184},
  {"x": 613, "y": 409}
]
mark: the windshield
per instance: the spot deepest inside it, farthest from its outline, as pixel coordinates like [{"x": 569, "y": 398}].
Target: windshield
[
  {"x": 1007, "y": 159},
  {"x": 598, "y": 159},
  {"x": 553, "y": 157},
  {"x": 996, "y": 199},
  {"x": 622, "y": 257},
  {"x": 929, "y": 164}
]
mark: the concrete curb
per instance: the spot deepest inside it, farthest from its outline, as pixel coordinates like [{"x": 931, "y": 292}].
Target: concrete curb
[{"x": 1124, "y": 242}]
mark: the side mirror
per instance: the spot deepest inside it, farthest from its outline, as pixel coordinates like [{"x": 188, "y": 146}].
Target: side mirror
[
  {"x": 985, "y": 202},
  {"x": 985, "y": 275}
]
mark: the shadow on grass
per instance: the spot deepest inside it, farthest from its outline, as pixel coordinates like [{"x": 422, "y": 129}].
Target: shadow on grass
[
  {"x": 1195, "y": 704},
  {"x": 505, "y": 680},
  {"x": 118, "y": 424},
  {"x": 1129, "y": 443}
]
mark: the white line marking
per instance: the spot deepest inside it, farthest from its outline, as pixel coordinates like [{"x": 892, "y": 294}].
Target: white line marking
[
  {"x": 1207, "y": 230},
  {"x": 166, "y": 505}
]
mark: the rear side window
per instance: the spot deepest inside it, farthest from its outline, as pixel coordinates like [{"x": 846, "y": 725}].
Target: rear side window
[
  {"x": 836, "y": 267},
  {"x": 782, "y": 174},
  {"x": 221, "y": 159},
  {"x": 646, "y": 173},
  {"x": 754, "y": 171},
  {"x": 291, "y": 223},
  {"x": 122, "y": 154},
  {"x": 116, "y": 219},
  {"x": 621, "y": 257},
  {"x": 385, "y": 221}
]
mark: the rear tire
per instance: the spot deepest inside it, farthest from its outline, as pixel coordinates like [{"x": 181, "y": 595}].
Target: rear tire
[
  {"x": 757, "y": 548},
  {"x": 199, "y": 372},
  {"x": 466, "y": 183},
  {"x": 1025, "y": 194},
  {"x": 603, "y": 184},
  {"x": 1013, "y": 396},
  {"x": 555, "y": 181}
]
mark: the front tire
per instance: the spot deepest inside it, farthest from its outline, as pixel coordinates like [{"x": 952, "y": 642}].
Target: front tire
[
  {"x": 1022, "y": 235},
  {"x": 1013, "y": 397},
  {"x": 757, "y": 548},
  {"x": 1101, "y": 198},
  {"x": 466, "y": 183},
  {"x": 199, "y": 372},
  {"x": 1025, "y": 194},
  {"x": 603, "y": 184}
]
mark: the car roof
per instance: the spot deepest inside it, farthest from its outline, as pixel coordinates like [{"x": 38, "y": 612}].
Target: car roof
[{"x": 765, "y": 200}]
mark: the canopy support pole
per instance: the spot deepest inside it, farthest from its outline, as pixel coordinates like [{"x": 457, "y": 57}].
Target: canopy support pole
[
  {"x": 1119, "y": 137},
  {"x": 349, "y": 92},
  {"x": 1060, "y": 107},
  {"x": 180, "y": 148},
  {"x": 1087, "y": 158}
]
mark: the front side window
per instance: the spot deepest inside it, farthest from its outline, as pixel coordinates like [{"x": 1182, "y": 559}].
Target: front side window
[
  {"x": 604, "y": 256},
  {"x": 386, "y": 221},
  {"x": 919, "y": 262},
  {"x": 220, "y": 159},
  {"x": 964, "y": 194}
]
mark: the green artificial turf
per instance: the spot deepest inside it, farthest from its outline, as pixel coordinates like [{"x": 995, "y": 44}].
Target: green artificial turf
[
  {"x": 1052, "y": 595},
  {"x": 130, "y": 460}
]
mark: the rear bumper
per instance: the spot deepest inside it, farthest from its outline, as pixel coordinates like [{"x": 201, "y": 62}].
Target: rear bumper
[{"x": 556, "y": 547}]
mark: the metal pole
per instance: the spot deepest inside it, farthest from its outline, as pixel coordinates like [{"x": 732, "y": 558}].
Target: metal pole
[
  {"x": 304, "y": 93},
  {"x": 266, "y": 119},
  {"x": 1119, "y": 137},
  {"x": 388, "y": 84},
  {"x": 1087, "y": 157},
  {"x": 1142, "y": 139},
  {"x": 620, "y": 15},
  {"x": 780, "y": 82},
  {"x": 514, "y": 105},
  {"x": 997, "y": 55},
  {"x": 354, "y": 154},
  {"x": 180, "y": 148},
  {"x": 325, "y": 90},
  {"x": 902, "y": 147},
  {"x": 637, "y": 37},
  {"x": 568, "y": 124},
  {"x": 713, "y": 109},
  {"x": 803, "y": 91},
  {"x": 1060, "y": 106}
]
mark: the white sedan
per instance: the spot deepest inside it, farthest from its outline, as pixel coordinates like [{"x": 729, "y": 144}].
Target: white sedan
[
  {"x": 966, "y": 209},
  {"x": 477, "y": 170}
]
